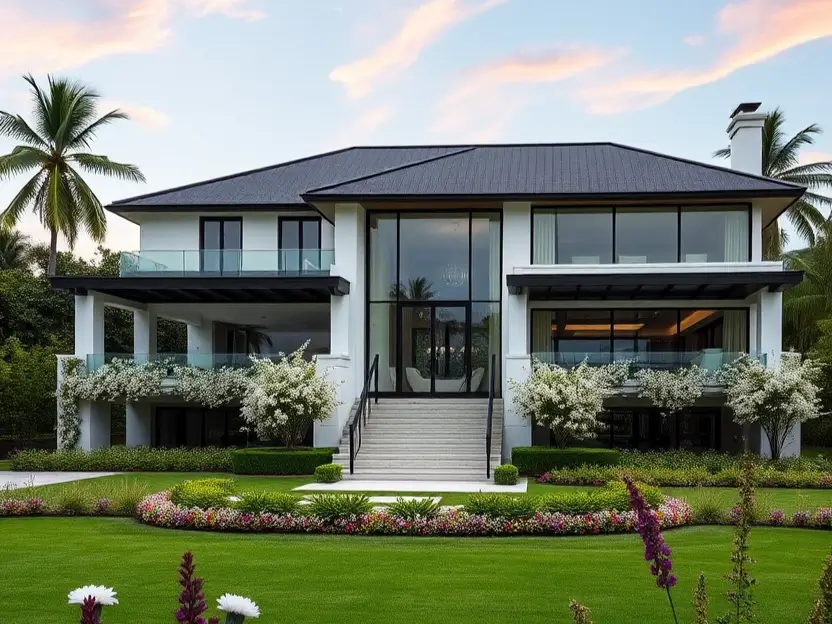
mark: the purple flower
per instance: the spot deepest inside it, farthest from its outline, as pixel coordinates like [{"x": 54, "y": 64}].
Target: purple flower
[
  {"x": 776, "y": 517},
  {"x": 648, "y": 526}
]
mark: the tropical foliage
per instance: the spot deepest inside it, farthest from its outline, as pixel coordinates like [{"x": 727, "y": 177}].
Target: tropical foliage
[
  {"x": 781, "y": 160},
  {"x": 14, "y": 249},
  {"x": 66, "y": 123}
]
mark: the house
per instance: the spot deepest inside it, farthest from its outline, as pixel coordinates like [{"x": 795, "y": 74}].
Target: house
[{"x": 454, "y": 265}]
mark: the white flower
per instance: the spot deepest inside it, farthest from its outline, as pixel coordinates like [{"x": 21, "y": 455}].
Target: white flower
[
  {"x": 104, "y": 596},
  {"x": 230, "y": 603}
]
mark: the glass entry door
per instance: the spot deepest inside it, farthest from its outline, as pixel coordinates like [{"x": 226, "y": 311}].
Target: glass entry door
[{"x": 434, "y": 353}]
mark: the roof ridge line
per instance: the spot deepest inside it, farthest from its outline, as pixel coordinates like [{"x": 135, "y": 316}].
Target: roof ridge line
[
  {"x": 128, "y": 200},
  {"x": 462, "y": 150},
  {"x": 709, "y": 166}
]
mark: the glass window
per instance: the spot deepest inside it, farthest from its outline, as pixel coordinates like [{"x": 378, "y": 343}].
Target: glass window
[
  {"x": 222, "y": 240},
  {"x": 382, "y": 257},
  {"x": 714, "y": 333},
  {"x": 434, "y": 257},
  {"x": 485, "y": 343},
  {"x": 583, "y": 334},
  {"x": 485, "y": 257},
  {"x": 649, "y": 337},
  {"x": 714, "y": 235},
  {"x": 646, "y": 235},
  {"x": 584, "y": 236},
  {"x": 383, "y": 343},
  {"x": 543, "y": 245}
]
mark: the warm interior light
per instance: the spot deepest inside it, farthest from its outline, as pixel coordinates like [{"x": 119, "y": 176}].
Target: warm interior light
[
  {"x": 693, "y": 318},
  {"x": 602, "y": 327}
]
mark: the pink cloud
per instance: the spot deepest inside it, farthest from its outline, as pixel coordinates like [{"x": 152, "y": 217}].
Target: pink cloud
[
  {"x": 808, "y": 157},
  {"x": 421, "y": 27},
  {"x": 145, "y": 116},
  {"x": 480, "y": 110},
  {"x": 32, "y": 42},
  {"x": 757, "y": 30}
]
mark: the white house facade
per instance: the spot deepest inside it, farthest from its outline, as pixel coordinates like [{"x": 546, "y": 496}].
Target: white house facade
[{"x": 450, "y": 268}]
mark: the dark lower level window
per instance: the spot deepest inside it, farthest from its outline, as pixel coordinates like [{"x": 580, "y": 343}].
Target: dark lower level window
[{"x": 646, "y": 429}]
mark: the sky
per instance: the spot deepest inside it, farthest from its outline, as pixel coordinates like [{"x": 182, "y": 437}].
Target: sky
[{"x": 219, "y": 86}]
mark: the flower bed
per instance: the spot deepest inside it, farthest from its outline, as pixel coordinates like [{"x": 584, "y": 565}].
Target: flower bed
[{"x": 158, "y": 510}]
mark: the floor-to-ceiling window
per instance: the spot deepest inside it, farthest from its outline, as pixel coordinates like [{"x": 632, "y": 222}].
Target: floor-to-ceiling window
[
  {"x": 220, "y": 243},
  {"x": 433, "y": 309}
]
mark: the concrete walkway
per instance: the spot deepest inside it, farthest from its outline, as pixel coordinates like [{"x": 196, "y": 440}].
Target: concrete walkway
[
  {"x": 356, "y": 485},
  {"x": 12, "y": 480}
]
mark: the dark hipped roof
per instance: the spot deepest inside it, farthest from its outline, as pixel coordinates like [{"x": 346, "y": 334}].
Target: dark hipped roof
[{"x": 556, "y": 171}]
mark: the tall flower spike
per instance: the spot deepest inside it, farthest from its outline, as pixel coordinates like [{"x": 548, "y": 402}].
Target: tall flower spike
[
  {"x": 90, "y": 611},
  {"x": 191, "y": 598}
]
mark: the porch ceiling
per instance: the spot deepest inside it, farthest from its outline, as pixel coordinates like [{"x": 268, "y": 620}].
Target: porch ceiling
[
  {"x": 305, "y": 289},
  {"x": 644, "y": 286}
]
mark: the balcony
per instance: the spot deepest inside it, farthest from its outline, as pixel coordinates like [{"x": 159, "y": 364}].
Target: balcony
[
  {"x": 226, "y": 262},
  {"x": 94, "y": 361},
  {"x": 710, "y": 360}
]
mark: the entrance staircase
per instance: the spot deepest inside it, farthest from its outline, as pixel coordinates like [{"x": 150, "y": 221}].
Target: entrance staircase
[{"x": 428, "y": 439}]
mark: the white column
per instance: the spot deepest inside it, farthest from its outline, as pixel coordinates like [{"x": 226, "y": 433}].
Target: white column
[
  {"x": 138, "y": 424},
  {"x": 517, "y": 248},
  {"x": 770, "y": 321},
  {"x": 89, "y": 340},
  {"x": 336, "y": 368},
  {"x": 753, "y": 328},
  {"x": 347, "y": 313},
  {"x": 200, "y": 344},
  {"x": 756, "y": 233},
  {"x": 144, "y": 333}
]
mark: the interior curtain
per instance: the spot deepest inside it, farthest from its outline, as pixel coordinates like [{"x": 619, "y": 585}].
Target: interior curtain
[
  {"x": 494, "y": 265},
  {"x": 736, "y": 236},
  {"x": 544, "y": 237},
  {"x": 542, "y": 333},
  {"x": 734, "y": 332}
]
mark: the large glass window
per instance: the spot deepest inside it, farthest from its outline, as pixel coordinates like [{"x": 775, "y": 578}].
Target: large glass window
[
  {"x": 433, "y": 257},
  {"x": 714, "y": 235},
  {"x": 300, "y": 243},
  {"x": 638, "y": 235},
  {"x": 645, "y": 235},
  {"x": 485, "y": 257},
  {"x": 221, "y": 240}
]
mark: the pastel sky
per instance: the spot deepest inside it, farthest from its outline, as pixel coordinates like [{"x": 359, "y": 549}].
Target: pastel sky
[{"x": 219, "y": 86}]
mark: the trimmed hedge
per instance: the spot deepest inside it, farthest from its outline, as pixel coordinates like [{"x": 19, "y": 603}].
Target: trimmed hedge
[
  {"x": 124, "y": 459},
  {"x": 328, "y": 473},
  {"x": 535, "y": 460},
  {"x": 280, "y": 461},
  {"x": 506, "y": 475}
]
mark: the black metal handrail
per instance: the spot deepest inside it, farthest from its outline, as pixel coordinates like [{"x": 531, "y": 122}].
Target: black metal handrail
[
  {"x": 359, "y": 420},
  {"x": 489, "y": 423}
]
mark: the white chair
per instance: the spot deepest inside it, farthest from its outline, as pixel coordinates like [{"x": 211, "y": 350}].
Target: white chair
[
  {"x": 416, "y": 381},
  {"x": 696, "y": 257},
  {"x": 586, "y": 259},
  {"x": 632, "y": 259}
]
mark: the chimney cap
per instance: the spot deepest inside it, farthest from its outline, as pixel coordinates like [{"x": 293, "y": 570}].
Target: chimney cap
[{"x": 746, "y": 107}]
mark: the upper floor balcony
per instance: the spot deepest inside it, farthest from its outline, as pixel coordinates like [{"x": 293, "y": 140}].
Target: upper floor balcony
[
  {"x": 225, "y": 262},
  {"x": 710, "y": 360}
]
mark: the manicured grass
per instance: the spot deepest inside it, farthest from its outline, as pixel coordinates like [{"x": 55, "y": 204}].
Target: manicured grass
[
  {"x": 773, "y": 498},
  {"x": 306, "y": 578}
]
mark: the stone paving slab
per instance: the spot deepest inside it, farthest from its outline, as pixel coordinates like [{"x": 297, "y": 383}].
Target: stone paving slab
[
  {"x": 12, "y": 480},
  {"x": 357, "y": 485}
]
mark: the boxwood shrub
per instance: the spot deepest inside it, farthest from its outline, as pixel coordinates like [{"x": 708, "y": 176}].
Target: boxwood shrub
[
  {"x": 280, "y": 461},
  {"x": 328, "y": 473},
  {"x": 535, "y": 460},
  {"x": 203, "y": 493},
  {"x": 506, "y": 474},
  {"x": 124, "y": 459}
]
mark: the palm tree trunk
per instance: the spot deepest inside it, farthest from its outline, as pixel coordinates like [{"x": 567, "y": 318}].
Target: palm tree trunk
[{"x": 53, "y": 252}]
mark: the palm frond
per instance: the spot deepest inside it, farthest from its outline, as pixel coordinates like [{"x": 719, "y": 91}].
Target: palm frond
[
  {"x": 773, "y": 138},
  {"x": 73, "y": 108},
  {"x": 84, "y": 137},
  {"x": 24, "y": 198},
  {"x": 725, "y": 152},
  {"x": 91, "y": 212},
  {"x": 14, "y": 249},
  {"x": 43, "y": 111},
  {"x": 789, "y": 154},
  {"x": 59, "y": 210},
  {"x": 804, "y": 217},
  {"x": 23, "y": 158},
  {"x": 817, "y": 200},
  {"x": 15, "y": 127},
  {"x": 101, "y": 165},
  {"x": 822, "y": 166}
]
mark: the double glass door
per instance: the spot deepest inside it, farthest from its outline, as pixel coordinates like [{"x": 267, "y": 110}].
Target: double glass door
[{"x": 434, "y": 348}]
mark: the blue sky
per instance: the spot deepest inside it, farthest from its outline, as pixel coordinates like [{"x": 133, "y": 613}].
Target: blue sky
[{"x": 218, "y": 86}]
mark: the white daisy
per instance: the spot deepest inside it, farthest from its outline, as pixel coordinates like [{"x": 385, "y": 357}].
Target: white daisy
[
  {"x": 239, "y": 605},
  {"x": 104, "y": 596}
]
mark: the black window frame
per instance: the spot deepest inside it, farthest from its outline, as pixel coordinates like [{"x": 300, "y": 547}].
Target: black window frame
[{"x": 222, "y": 247}]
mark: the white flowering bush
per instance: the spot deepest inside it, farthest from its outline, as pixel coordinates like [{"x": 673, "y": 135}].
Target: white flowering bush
[
  {"x": 776, "y": 398},
  {"x": 285, "y": 397},
  {"x": 69, "y": 396},
  {"x": 672, "y": 391},
  {"x": 567, "y": 401},
  {"x": 212, "y": 387}
]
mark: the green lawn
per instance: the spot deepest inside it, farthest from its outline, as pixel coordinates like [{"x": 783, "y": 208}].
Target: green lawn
[
  {"x": 322, "y": 579},
  {"x": 5, "y": 464},
  {"x": 788, "y": 500}
]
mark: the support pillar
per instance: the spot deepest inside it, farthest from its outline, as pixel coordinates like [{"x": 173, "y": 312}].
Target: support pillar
[
  {"x": 144, "y": 334},
  {"x": 95, "y": 425},
  {"x": 201, "y": 344},
  {"x": 137, "y": 424},
  {"x": 89, "y": 348}
]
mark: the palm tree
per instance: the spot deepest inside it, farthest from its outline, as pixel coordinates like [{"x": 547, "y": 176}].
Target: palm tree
[
  {"x": 781, "y": 159},
  {"x": 417, "y": 289},
  {"x": 66, "y": 123},
  {"x": 810, "y": 301},
  {"x": 14, "y": 249}
]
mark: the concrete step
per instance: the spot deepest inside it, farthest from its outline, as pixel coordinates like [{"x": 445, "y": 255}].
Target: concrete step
[{"x": 421, "y": 475}]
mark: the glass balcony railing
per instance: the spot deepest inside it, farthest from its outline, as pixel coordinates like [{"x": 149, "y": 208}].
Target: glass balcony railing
[
  {"x": 707, "y": 359},
  {"x": 200, "y": 360},
  {"x": 222, "y": 262}
]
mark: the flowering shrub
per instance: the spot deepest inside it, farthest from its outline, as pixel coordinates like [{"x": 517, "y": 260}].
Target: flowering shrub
[
  {"x": 158, "y": 510},
  {"x": 285, "y": 397},
  {"x": 672, "y": 390},
  {"x": 776, "y": 398},
  {"x": 211, "y": 387},
  {"x": 567, "y": 400}
]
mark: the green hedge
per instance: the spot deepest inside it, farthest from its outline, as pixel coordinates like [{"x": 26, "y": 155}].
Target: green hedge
[
  {"x": 535, "y": 460},
  {"x": 280, "y": 461},
  {"x": 123, "y": 459},
  {"x": 506, "y": 475}
]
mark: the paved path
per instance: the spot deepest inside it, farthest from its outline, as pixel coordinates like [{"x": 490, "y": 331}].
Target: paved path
[
  {"x": 12, "y": 480},
  {"x": 358, "y": 485}
]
